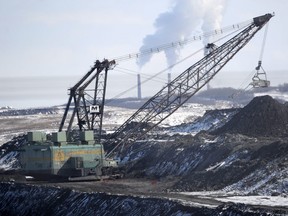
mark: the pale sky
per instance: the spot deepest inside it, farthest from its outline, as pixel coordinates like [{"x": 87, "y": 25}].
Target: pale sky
[{"x": 48, "y": 45}]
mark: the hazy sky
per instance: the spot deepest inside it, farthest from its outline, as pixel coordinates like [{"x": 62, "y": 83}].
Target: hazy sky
[{"x": 47, "y": 45}]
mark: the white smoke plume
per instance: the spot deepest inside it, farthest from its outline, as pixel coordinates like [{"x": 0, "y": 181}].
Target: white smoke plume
[{"x": 179, "y": 23}]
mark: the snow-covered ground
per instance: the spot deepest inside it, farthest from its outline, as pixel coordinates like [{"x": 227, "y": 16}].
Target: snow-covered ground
[
  {"x": 114, "y": 117},
  {"x": 190, "y": 111},
  {"x": 257, "y": 200},
  {"x": 9, "y": 161},
  {"x": 277, "y": 201}
]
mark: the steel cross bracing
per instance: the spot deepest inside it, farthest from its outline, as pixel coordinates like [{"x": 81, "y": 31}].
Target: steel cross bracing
[
  {"x": 88, "y": 104},
  {"x": 187, "y": 84}
]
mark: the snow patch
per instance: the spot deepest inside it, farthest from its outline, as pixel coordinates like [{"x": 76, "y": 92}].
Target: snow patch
[
  {"x": 9, "y": 161},
  {"x": 257, "y": 200}
]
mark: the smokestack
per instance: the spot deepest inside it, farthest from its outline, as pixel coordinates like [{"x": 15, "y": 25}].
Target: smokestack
[
  {"x": 178, "y": 24},
  {"x": 139, "y": 86},
  {"x": 169, "y": 81}
]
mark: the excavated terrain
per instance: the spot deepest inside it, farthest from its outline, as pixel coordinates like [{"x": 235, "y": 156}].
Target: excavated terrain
[
  {"x": 235, "y": 151},
  {"x": 206, "y": 162},
  {"x": 263, "y": 116}
]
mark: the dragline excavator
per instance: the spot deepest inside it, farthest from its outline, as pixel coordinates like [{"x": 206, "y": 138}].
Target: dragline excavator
[{"x": 82, "y": 155}]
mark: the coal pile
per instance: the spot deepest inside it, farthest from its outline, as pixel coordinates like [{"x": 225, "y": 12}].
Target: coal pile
[{"x": 263, "y": 116}]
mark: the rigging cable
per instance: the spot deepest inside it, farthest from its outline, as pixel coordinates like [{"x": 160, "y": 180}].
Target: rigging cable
[
  {"x": 133, "y": 73},
  {"x": 239, "y": 28},
  {"x": 180, "y": 43},
  {"x": 240, "y": 89},
  {"x": 155, "y": 75},
  {"x": 264, "y": 42}
]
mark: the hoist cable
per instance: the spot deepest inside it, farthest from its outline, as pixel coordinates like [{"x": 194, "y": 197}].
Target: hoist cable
[{"x": 264, "y": 42}]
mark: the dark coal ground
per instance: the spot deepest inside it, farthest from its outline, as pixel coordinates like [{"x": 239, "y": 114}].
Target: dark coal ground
[{"x": 21, "y": 199}]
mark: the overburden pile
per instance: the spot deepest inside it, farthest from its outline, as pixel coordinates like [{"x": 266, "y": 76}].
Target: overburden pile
[{"x": 263, "y": 116}]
